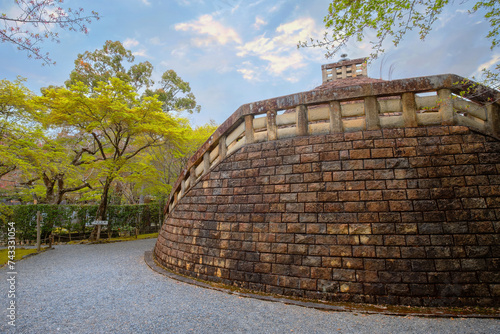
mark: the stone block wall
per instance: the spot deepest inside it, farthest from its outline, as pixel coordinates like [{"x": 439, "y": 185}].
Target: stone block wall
[{"x": 397, "y": 216}]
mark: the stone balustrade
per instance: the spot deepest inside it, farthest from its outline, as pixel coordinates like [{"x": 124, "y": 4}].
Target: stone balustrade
[{"x": 414, "y": 102}]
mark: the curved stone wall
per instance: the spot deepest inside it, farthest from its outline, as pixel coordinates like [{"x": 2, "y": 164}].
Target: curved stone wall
[{"x": 397, "y": 216}]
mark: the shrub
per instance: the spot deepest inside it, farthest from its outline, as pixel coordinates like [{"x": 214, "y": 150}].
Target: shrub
[{"x": 78, "y": 218}]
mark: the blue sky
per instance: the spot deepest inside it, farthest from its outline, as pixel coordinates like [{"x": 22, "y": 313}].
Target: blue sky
[{"x": 234, "y": 52}]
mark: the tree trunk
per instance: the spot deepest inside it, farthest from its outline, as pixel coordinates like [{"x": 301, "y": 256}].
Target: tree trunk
[
  {"x": 103, "y": 206},
  {"x": 49, "y": 188}
]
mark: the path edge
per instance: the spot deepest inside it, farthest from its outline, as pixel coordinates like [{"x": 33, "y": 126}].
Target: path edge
[{"x": 354, "y": 308}]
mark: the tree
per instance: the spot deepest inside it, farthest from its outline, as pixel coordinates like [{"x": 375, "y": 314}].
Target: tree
[
  {"x": 57, "y": 167},
  {"x": 15, "y": 125},
  {"x": 39, "y": 159},
  {"x": 121, "y": 123},
  {"x": 171, "y": 85},
  {"x": 102, "y": 96},
  {"x": 347, "y": 19},
  {"x": 110, "y": 62},
  {"x": 36, "y": 21},
  {"x": 158, "y": 167}
]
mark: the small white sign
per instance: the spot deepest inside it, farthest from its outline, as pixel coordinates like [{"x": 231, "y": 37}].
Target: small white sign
[{"x": 100, "y": 222}]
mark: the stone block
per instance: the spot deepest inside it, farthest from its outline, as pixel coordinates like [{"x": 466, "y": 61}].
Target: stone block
[
  {"x": 340, "y": 250},
  {"x": 378, "y": 206},
  {"x": 344, "y": 275},
  {"x": 398, "y": 289},
  {"x": 352, "y": 263},
  {"x": 360, "y": 228},
  {"x": 374, "y": 289},
  {"x": 363, "y": 251},
  {"x": 390, "y": 277},
  {"x": 390, "y": 252},
  {"x": 383, "y": 228},
  {"x": 464, "y": 277},
  {"x": 398, "y": 265},
  {"x": 371, "y": 239}
]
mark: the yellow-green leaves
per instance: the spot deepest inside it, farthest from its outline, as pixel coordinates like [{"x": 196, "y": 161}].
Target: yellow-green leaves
[{"x": 390, "y": 20}]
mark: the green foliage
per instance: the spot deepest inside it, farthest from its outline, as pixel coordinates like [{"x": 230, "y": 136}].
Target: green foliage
[
  {"x": 46, "y": 164},
  {"x": 97, "y": 134},
  {"x": 158, "y": 167},
  {"x": 20, "y": 253},
  {"x": 25, "y": 218},
  {"x": 17, "y": 131},
  {"x": 171, "y": 85},
  {"x": 108, "y": 62},
  {"x": 5, "y": 216},
  {"x": 348, "y": 19},
  {"x": 134, "y": 216},
  {"x": 392, "y": 20},
  {"x": 114, "y": 61},
  {"x": 120, "y": 123},
  {"x": 492, "y": 15},
  {"x": 77, "y": 217}
]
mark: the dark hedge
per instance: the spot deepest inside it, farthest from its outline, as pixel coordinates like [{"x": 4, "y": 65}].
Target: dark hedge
[{"x": 76, "y": 218}]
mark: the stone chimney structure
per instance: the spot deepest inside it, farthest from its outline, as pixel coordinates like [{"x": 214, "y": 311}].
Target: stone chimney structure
[{"x": 344, "y": 69}]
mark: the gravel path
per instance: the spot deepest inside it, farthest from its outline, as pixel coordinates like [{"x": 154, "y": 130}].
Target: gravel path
[{"x": 110, "y": 289}]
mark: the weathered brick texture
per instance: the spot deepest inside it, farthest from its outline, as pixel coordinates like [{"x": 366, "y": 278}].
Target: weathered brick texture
[{"x": 400, "y": 216}]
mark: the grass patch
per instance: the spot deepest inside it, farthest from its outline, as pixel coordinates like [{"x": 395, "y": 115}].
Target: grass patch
[
  {"x": 118, "y": 239},
  {"x": 20, "y": 253},
  {"x": 140, "y": 236}
]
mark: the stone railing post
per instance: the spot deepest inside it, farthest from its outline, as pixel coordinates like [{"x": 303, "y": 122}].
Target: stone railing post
[
  {"x": 176, "y": 198},
  {"x": 272, "y": 128},
  {"x": 192, "y": 176},
  {"x": 372, "y": 111},
  {"x": 302, "y": 120},
  {"x": 344, "y": 72},
  {"x": 222, "y": 148},
  {"x": 183, "y": 188},
  {"x": 206, "y": 162},
  {"x": 446, "y": 107},
  {"x": 493, "y": 119},
  {"x": 249, "y": 133},
  {"x": 409, "y": 110},
  {"x": 324, "y": 73},
  {"x": 335, "y": 117},
  {"x": 353, "y": 70}
]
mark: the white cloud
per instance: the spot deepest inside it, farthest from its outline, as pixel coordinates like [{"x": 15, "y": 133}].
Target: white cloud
[
  {"x": 279, "y": 64},
  {"x": 209, "y": 31},
  {"x": 495, "y": 59},
  {"x": 141, "y": 53},
  {"x": 155, "y": 41},
  {"x": 280, "y": 52},
  {"x": 146, "y": 2},
  {"x": 248, "y": 72},
  {"x": 276, "y": 7},
  {"x": 189, "y": 2},
  {"x": 179, "y": 52},
  {"x": 259, "y": 22},
  {"x": 259, "y": 46},
  {"x": 130, "y": 42}
]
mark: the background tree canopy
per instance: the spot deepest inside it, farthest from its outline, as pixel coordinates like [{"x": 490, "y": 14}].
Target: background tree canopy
[{"x": 110, "y": 134}]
